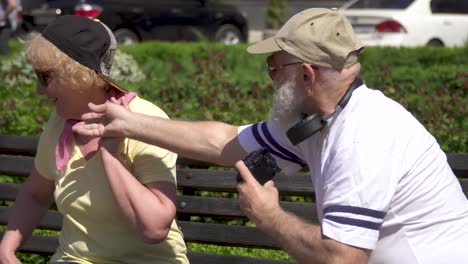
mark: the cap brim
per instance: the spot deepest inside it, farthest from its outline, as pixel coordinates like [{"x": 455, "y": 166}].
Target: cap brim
[
  {"x": 113, "y": 83},
  {"x": 268, "y": 45}
]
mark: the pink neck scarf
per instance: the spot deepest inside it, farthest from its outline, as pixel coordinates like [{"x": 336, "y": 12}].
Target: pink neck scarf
[{"x": 64, "y": 146}]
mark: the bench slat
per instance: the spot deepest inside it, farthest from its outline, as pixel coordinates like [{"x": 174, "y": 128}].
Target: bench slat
[
  {"x": 45, "y": 245},
  {"x": 8, "y": 191},
  {"x": 464, "y": 185},
  {"x": 205, "y": 258},
  {"x": 209, "y": 206},
  {"x": 230, "y": 235},
  {"x": 197, "y": 205},
  {"x": 16, "y": 165},
  {"x": 459, "y": 164},
  {"x": 18, "y": 145},
  {"x": 225, "y": 180},
  {"x": 200, "y": 206}
]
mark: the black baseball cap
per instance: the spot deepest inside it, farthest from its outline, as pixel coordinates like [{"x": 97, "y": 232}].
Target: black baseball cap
[{"x": 88, "y": 41}]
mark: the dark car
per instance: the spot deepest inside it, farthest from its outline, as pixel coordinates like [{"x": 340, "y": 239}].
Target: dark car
[{"x": 138, "y": 20}]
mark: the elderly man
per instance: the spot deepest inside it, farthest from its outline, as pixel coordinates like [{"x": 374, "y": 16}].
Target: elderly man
[{"x": 384, "y": 190}]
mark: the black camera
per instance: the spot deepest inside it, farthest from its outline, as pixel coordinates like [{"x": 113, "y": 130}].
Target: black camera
[{"x": 261, "y": 164}]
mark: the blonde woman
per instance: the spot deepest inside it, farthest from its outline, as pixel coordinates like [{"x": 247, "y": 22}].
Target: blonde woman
[{"x": 117, "y": 196}]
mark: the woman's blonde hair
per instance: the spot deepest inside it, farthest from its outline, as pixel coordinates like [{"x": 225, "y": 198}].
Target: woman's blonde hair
[{"x": 44, "y": 56}]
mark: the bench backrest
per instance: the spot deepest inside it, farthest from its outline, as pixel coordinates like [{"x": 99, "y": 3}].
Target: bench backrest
[{"x": 207, "y": 206}]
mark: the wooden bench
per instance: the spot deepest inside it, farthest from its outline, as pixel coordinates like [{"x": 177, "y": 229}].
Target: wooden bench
[{"x": 16, "y": 159}]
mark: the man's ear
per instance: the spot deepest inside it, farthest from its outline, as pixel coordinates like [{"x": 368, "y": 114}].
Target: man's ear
[
  {"x": 309, "y": 76},
  {"x": 308, "y": 73}
]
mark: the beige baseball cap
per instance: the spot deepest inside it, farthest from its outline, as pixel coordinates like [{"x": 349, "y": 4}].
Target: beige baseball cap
[{"x": 320, "y": 36}]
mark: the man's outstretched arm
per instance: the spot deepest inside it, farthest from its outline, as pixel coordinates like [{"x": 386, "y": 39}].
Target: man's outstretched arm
[{"x": 202, "y": 140}]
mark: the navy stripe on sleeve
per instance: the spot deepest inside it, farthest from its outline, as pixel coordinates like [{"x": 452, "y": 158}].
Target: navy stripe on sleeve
[
  {"x": 354, "y": 210},
  {"x": 262, "y": 143},
  {"x": 280, "y": 148}
]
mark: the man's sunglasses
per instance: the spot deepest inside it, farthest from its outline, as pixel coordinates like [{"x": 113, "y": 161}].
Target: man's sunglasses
[{"x": 43, "y": 77}]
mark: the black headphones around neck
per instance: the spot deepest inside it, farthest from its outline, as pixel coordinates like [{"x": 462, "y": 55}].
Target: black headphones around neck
[{"x": 312, "y": 124}]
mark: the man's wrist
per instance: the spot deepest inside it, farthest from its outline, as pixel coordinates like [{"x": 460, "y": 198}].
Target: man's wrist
[
  {"x": 270, "y": 221},
  {"x": 137, "y": 126},
  {"x": 131, "y": 125}
]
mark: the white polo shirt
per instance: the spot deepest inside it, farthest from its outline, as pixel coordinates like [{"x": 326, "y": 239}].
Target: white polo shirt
[{"x": 381, "y": 181}]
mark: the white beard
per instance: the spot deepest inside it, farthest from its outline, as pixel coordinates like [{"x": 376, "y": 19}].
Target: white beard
[{"x": 287, "y": 105}]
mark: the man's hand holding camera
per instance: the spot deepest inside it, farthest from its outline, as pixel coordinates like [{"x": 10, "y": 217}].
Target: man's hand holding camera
[{"x": 259, "y": 203}]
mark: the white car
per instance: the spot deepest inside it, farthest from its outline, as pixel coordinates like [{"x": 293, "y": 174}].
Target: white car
[{"x": 409, "y": 23}]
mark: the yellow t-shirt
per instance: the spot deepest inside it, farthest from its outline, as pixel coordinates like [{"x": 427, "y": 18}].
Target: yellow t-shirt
[{"x": 93, "y": 229}]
